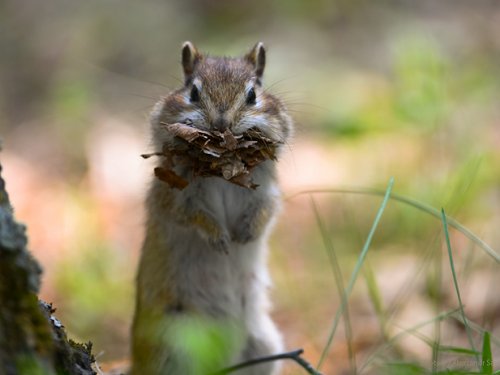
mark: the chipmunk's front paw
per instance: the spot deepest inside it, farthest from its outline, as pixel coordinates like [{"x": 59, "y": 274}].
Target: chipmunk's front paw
[
  {"x": 220, "y": 243},
  {"x": 243, "y": 234},
  {"x": 250, "y": 225}
]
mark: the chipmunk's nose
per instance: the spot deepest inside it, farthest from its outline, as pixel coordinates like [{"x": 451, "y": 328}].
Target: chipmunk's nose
[{"x": 221, "y": 123}]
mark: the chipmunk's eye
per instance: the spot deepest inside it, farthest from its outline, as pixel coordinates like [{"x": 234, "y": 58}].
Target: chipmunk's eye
[
  {"x": 251, "y": 97},
  {"x": 194, "y": 96}
]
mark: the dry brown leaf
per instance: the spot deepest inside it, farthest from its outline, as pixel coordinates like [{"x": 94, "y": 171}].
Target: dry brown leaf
[
  {"x": 186, "y": 132},
  {"x": 171, "y": 178},
  {"x": 233, "y": 169},
  {"x": 205, "y": 153},
  {"x": 229, "y": 140}
]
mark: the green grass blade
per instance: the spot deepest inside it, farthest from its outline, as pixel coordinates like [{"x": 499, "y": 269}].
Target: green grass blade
[
  {"x": 475, "y": 327},
  {"x": 435, "y": 286},
  {"x": 355, "y": 272},
  {"x": 337, "y": 273},
  {"x": 458, "y": 350},
  {"x": 443, "y": 348},
  {"x": 487, "y": 359},
  {"x": 404, "y": 369},
  {"x": 393, "y": 340},
  {"x": 455, "y": 282},
  {"x": 435, "y": 351},
  {"x": 376, "y": 298},
  {"x": 411, "y": 202}
]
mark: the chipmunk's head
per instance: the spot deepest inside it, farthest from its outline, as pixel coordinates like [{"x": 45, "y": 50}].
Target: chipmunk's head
[{"x": 222, "y": 93}]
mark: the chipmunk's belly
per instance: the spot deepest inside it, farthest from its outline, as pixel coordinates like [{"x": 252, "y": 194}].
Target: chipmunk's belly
[
  {"x": 220, "y": 284},
  {"x": 224, "y": 200}
]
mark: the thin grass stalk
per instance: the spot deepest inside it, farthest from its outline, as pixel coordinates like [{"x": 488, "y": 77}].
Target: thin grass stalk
[
  {"x": 475, "y": 327},
  {"x": 337, "y": 273},
  {"x": 436, "y": 296},
  {"x": 411, "y": 202},
  {"x": 455, "y": 283},
  {"x": 355, "y": 273},
  {"x": 377, "y": 352},
  {"x": 376, "y": 299}
]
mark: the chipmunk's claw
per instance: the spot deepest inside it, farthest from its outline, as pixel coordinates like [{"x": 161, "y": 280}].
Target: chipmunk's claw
[{"x": 220, "y": 244}]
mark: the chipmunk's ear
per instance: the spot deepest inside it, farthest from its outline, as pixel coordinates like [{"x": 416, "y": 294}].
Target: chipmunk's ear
[
  {"x": 190, "y": 57},
  {"x": 257, "y": 57}
]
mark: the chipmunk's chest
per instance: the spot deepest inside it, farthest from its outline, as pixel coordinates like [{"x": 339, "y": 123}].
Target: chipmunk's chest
[{"x": 226, "y": 201}]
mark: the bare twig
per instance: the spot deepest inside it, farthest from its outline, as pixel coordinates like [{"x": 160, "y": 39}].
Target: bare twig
[{"x": 294, "y": 355}]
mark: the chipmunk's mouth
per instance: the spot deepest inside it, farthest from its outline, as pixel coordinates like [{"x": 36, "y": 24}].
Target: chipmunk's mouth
[{"x": 221, "y": 124}]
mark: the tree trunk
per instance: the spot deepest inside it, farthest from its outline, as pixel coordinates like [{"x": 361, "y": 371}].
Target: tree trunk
[{"x": 32, "y": 341}]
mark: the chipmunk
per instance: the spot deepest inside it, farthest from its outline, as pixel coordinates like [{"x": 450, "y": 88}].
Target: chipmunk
[{"x": 203, "y": 260}]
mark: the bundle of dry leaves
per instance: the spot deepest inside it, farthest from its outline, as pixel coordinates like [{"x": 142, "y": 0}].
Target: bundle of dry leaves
[{"x": 212, "y": 153}]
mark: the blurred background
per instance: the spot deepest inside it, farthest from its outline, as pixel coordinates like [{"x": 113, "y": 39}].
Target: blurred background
[{"x": 377, "y": 88}]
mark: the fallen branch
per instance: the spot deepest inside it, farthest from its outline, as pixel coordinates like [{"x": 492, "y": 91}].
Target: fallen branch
[{"x": 294, "y": 355}]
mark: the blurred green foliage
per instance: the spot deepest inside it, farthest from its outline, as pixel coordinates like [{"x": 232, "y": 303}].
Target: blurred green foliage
[
  {"x": 211, "y": 342},
  {"x": 97, "y": 298}
]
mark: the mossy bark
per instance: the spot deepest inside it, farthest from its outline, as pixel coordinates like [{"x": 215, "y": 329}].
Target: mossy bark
[{"x": 32, "y": 341}]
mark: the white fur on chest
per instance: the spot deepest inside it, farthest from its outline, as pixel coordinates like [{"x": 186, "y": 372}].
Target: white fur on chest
[
  {"x": 217, "y": 283},
  {"x": 225, "y": 201},
  {"x": 221, "y": 284}
]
